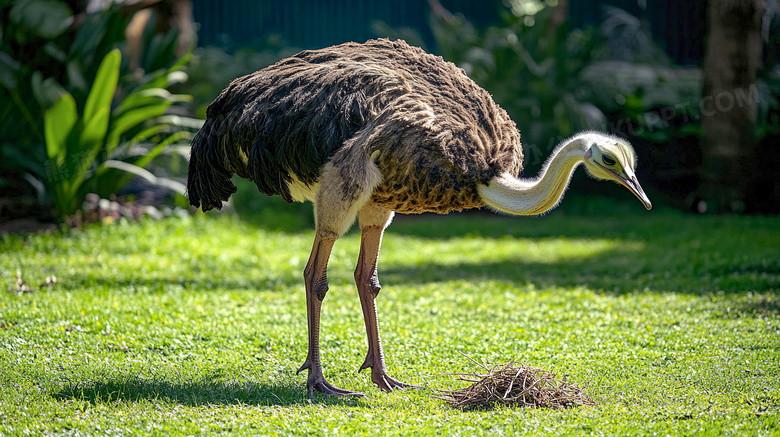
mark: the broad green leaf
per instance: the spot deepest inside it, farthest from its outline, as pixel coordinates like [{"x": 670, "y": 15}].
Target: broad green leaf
[
  {"x": 147, "y": 133},
  {"x": 91, "y": 142},
  {"x": 95, "y": 129},
  {"x": 58, "y": 122},
  {"x": 104, "y": 86},
  {"x": 89, "y": 35},
  {"x": 151, "y": 96},
  {"x": 131, "y": 119},
  {"x": 46, "y": 91},
  {"x": 45, "y": 18},
  {"x": 181, "y": 122},
  {"x": 158, "y": 79},
  {"x": 147, "y": 175},
  {"x": 143, "y": 160},
  {"x": 156, "y": 150},
  {"x": 141, "y": 137}
]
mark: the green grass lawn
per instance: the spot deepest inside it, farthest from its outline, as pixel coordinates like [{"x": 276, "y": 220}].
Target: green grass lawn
[{"x": 194, "y": 325}]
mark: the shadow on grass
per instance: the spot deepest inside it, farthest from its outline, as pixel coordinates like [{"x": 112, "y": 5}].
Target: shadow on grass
[
  {"x": 575, "y": 272},
  {"x": 668, "y": 251},
  {"x": 194, "y": 393},
  {"x": 161, "y": 282},
  {"x": 659, "y": 251}
]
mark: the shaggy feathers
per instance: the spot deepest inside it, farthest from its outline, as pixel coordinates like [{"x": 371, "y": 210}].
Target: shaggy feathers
[{"x": 438, "y": 134}]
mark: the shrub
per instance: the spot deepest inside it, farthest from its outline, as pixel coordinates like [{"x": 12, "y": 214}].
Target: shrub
[{"x": 51, "y": 69}]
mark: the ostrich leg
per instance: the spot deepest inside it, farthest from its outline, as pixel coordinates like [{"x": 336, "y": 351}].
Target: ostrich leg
[
  {"x": 316, "y": 278},
  {"x": 373, "y": 221}
]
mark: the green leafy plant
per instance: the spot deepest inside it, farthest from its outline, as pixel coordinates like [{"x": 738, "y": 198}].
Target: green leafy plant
[
  {"x": 85, "y": 151},
  {"x": 74, "y": 118}
]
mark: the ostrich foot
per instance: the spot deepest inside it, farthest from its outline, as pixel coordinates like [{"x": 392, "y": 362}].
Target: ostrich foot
[
  {"x": 316, "y": 381},
  {"x": 388, "y": 383},
  {"x": 328, "y": 389},
  {"x": 380, "y": 377}
]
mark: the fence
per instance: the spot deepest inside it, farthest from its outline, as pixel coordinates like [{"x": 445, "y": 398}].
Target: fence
[{"x": 679, "y": 26}]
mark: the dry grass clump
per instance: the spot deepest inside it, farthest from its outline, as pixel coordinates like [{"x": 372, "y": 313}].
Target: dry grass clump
[{"x": 517, "y": 384}]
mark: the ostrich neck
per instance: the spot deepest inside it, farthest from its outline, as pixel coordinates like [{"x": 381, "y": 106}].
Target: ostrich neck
[{"x": 535, "y": 196}]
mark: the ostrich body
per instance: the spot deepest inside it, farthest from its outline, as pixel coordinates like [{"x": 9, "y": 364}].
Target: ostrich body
[{"x": 366, "y": 130}]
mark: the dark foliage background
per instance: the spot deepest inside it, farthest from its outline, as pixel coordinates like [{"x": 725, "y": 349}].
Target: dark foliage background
[{"x": 630, "y": 67}]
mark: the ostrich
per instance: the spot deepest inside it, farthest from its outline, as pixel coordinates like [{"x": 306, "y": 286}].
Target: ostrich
[{"x": 367, "y": 130}]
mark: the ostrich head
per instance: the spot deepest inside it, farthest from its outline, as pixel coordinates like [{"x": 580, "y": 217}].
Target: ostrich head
[{"x": 611, "y": 158}]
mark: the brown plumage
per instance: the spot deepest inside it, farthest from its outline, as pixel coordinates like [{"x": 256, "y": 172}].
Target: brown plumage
[
  {"x": 364, "y": 130},
  {"x": 437, "y": 133}
]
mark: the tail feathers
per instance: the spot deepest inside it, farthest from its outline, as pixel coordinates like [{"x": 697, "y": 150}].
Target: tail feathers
[{"x": 209, "y": 178}]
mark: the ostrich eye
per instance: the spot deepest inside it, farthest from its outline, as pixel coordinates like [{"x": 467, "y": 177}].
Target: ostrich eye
[{"x": 607, "y": 160}]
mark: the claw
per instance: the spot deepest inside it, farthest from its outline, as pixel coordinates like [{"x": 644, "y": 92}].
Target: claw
[
  {"x": 328, "y": 389},
  {"x": 316, "y": 381},
  {"x": 388, "y": 383}
]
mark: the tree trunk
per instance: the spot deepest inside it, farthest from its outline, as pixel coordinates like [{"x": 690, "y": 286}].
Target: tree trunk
[
  {"x": 171, "y": 14},
  {"x": 728, "y": 103}
]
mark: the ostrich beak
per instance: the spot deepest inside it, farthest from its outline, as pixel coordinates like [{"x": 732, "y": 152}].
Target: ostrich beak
[
  {"x": 633, "y": 186},
  {"x": 632, "y": 183}
]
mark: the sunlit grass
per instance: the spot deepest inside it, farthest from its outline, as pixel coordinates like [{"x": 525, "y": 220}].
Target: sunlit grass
[{"x": 196, "y": 325}]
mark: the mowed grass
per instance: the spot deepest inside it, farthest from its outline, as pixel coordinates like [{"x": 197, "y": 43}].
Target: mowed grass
[{"x": 196, "y": 325}]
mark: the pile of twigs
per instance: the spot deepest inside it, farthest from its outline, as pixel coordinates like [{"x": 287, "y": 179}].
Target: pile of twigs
[{"x": 516, "y": 384}]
